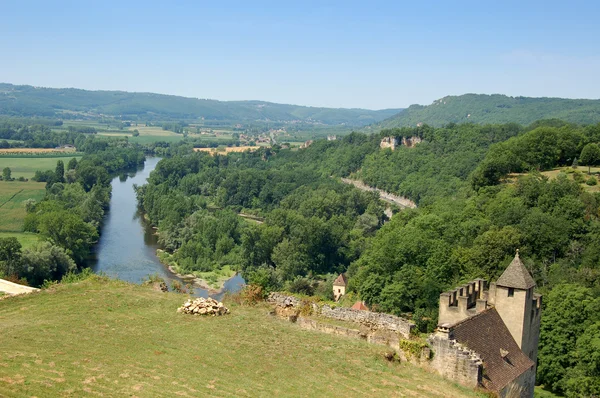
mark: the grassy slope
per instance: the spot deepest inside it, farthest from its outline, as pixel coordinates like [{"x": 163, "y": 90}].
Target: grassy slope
[
  {"x": 109, "y": 338},
  {"x": 494, "y": 109}
]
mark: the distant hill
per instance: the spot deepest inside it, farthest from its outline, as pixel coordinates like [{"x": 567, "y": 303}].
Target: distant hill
[
  {"x": 28, "y": 101},
  {"x": 496, "y": 108}
]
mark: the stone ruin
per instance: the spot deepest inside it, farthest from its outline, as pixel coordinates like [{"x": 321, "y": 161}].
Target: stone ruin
[{"x": 203, "y": 306}]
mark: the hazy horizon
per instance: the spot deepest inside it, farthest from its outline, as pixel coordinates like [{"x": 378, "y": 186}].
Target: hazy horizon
[{"x": 378, "y": 55}]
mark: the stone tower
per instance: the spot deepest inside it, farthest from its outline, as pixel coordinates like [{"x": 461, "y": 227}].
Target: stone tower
[{"x": 518, "y": 306}]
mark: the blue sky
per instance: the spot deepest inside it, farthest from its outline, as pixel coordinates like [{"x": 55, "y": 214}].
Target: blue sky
[{"x": 370, "y": 54}]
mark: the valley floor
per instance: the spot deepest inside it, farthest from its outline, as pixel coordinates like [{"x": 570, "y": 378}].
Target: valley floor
[{"x": 110, "y": 338}]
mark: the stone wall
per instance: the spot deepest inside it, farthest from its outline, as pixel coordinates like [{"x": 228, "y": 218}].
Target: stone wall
[
  {"x": 454, "y": 361},
  {"x": 372, "y": 320},
  {"x": 380, "y": 337},
  {"x": 375, "y": 320}
]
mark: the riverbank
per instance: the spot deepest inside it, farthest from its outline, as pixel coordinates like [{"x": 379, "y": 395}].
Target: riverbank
[{"x": 213, "y": 282}]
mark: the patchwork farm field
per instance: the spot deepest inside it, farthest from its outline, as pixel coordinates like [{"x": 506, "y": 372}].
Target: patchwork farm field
[
  {"x": 26, "y": 166},
  {"x": 13, "y": 195},
  {"x": 103, "y": 337},
  {"x": 226, "y": 150}
]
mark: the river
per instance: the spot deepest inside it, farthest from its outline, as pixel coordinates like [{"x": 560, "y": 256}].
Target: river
[{"x": 127, "y": 245}]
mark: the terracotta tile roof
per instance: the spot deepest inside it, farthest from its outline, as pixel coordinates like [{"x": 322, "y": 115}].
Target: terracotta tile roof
[
  {"x": 487, "y": 335},
  {"x": 340, "y": 281},
  {"x": 516, "y": 275},
  {"x": 359, "y": 305}
]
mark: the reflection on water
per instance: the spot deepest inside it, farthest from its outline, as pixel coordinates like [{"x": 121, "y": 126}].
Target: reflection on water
[{"x": 127, "y": 246}]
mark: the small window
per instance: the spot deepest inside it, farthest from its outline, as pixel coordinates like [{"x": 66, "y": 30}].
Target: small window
[
  {"x": 339, "y": 290},
  {"x": 511, "y": 292}
]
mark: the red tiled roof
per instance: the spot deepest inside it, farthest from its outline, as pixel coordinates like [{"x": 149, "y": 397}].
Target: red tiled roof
[{"x": 359, "y": 305}]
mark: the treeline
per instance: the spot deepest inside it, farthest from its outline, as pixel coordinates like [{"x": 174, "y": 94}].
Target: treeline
[
  {"x": 39, "y": 135},
  {"x": 313, "y": 225},
  {"x": 68, "y": 218},
  {"x": 540, "y": 148}
]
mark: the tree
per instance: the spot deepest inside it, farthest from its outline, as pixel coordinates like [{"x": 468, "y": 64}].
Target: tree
[
  {"x": 590, "y": 156},
  {"x": 69, "y": 231},
  {"x": 566, "y": 316},
  {"x": 72, "y": 164},
  {"x": 45, "y": 262},
  {"x": 6, "y": 174},
  {"x": 10, "y": 255},
  {"x": 60, "y": 171}
]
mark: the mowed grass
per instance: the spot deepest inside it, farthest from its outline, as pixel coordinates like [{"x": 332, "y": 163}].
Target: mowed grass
[
  {"x": 26, "y": 166},
  {"x": 109, "y": 338},
  {"x": 13, "y": 195}
]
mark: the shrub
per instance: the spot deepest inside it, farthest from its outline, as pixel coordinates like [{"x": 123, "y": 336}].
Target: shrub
[
  {"x": 578, "y": 177},
  {"x": 252, "y": 295},
  {"x": 592, "y": 181}
]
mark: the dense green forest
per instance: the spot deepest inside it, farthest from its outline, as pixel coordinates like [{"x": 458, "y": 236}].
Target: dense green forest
[
  {"x": 28, "y": 101},
  {"x": 472, "y": 216},
  {"x": 69, "y": 217},
  {"x": 496, "y": 108}
]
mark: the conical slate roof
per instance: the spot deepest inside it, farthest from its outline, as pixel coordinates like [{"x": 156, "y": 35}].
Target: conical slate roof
[{"x": 516, "y": 275}]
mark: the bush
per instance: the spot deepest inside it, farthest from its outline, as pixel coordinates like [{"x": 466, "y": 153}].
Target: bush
[
  {"x": 578, "y": 177},
  {"x": 592, "y": 181},
  {"x": 252, "y": 295}
]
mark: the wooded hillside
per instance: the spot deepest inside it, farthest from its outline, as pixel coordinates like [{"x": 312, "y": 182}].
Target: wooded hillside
[{"x": 496, "y": 108}]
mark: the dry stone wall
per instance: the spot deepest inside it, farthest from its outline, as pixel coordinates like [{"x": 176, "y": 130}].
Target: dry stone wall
[{"x": 373, "y": 320}]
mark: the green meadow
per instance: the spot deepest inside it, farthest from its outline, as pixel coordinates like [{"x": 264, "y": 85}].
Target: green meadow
[{"x": 103, "y": 337}]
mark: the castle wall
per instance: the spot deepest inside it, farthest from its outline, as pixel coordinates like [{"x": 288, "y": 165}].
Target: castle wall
[
  {"x": 374, "y": 320},
  {"x": 455, "y": 362},
  {"x": 462, "y": 302}
]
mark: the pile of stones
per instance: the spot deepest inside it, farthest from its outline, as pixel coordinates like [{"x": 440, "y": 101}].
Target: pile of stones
[{"x": 203, "y": 306}]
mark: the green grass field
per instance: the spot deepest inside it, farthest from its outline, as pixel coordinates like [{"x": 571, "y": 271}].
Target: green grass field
[
  {"x": 13, "y": 195},
  {"x": 26, "y": 239},
  {"x": 26, "y": 166},
  {"x": 109, "y": 338}
]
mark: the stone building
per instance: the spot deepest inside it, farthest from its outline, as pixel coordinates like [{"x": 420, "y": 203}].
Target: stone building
[
  {"x": 489, "y": 338},
  {"x": 339, "y": 286}
]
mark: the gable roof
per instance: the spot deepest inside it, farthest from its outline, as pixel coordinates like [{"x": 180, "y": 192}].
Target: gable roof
[
  {"x": 487, "y": 335},
  {"x": 359, "y": 305},
  {"x": 340, "y": 281},
  {"x": 516, "y": 275}
]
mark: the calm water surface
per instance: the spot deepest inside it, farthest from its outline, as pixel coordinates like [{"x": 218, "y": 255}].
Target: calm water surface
[{"x": 127, "y": 246}]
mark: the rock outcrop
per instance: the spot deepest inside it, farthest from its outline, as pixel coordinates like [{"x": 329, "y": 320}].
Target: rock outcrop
[{"x": 203, "y": 306}]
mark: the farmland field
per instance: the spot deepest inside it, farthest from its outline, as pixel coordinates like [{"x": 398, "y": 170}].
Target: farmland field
[
  {"x": 13, "y": 195},
  {"x": 227, "y": 149},
  {"x": 34, "y": 151},
  {"x": 26, "y": 166}
]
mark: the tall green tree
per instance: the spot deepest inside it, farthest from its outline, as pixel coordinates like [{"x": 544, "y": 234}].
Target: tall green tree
[
  {"x": 10, "y": 255},
  {"x": 60, "y": 171},
  {"x": 590, "y": 156},
  {"x": 6, "y": 174}
]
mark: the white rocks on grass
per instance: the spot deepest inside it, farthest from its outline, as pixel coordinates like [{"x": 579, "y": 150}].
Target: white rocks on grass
[{"x": 203, "y": 306}]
